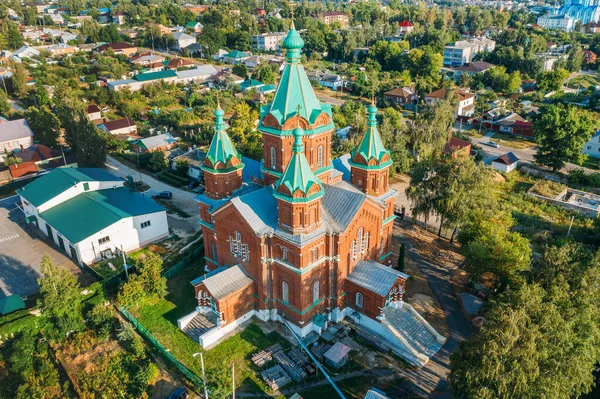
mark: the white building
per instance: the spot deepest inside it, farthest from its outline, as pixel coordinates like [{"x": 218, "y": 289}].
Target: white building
[
  {"x": 24, "y": 52},
  {"x": 196, "y": 75},
  {"x": 14, "y": 135},
  {"x": 90, "y": 215},
  {"x": 462, "y": 52},
  {"x": 267, "y": 41},
  {"x": 183, "y": 40},
  {"x": 119, "y": 126},
  {"x": 505, "y": 163},
  {"x": 592, "y": 147},
  {"x": 466, "y": 101},
  {"x": 553, "y": 21}
]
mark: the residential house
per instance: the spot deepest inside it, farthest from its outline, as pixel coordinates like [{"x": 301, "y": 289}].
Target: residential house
[
  {"x": 375, "y": 393},
  {"x": 330, "y": 17},
  {"x": 555, "y": 21},
  {"x": 523, "y": 128},
  {"x": 196, "y": 75},
  {"x": 332, "y": 81},
  {"x": 129, "y": 33},
  {"x": 131, "y": 84},
  {"x": 405, "y": 27},
  {"x": 23, "y": 169},
  {"x": 270, "y": 41},
  {"x": 401, "y": 95},
  {"x": 471, "y": 69},
  {"x": 24, "y": 52},
  {"x": 594, "y": 27},
  {"x": 125, "y": 126},
  {"x": 177, "y": 62},
  {"x": 250, "y": 84},
  {"x": 94, "y": 113},
  {"x": 266, "y": 89},
  {"x": 457, "y": 148},
  {"x": 120, "y": 18},
  {"x": 466, "y": 101},
  {"x": 235, "y": 57},
  {"x": 90, "y": 215},
  {"x": 160, "y": 142},
  {"x": 589, "y": 57},
  {"x": 505, "y": 163},
  {"x": 145, "y": 59},
  {"x": 14, "y": 135},
  {"x": 183, "y": 40},
  {"x": 260, "y": 12},
  {"x": 591, "y": 148},
  {"x": 39, "y": 158},
  {"x": 224, "y": 78},
  {"x": 118, "y": 48},
  {"x": 219, "y": 55},
  {"x": 66, "y": 37},
  {"x": 194, "y": 159},
  {"x": 252, "y": 61},
  {"x": 57, "y": 19},
  {"x": 164, "y": 30},
  {"x": 194, "y": 26},
  {"x": 463, "y": 52},
  {"x": 62, "y": 49}
]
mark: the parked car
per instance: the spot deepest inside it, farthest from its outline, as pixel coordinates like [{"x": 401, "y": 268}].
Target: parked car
[
  {"x": 193, "y": 185},
  {"x": 164, "y": 195},
  {"x": 493, "y": 144},
  {"x": 179, "y": 393}
]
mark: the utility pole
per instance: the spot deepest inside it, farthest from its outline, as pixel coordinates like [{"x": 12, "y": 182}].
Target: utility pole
[
  {"x": 124, "y": 264},
  {"x": 570, "y": 225},
  {"x": 203, "y": 374},
  {"x": 233, "y": 378}
]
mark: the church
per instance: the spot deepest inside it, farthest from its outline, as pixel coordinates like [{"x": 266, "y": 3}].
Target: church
[{"x": 306, "y": 243}]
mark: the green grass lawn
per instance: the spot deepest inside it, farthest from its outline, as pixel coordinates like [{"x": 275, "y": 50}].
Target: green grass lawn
[
  {"x": 353, "y": 388},
  {"x": 584, "y": 81},
  {"x": 160, "y": 318},
  {"x": 515, "y": 142},
  {"x": 591, "y": 163}
]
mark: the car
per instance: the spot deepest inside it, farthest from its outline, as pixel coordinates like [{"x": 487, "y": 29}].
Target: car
[
  {"x": 193, "y": 185},
  {"x": 164, "y": 195},
  {"x": 179, "y": 393},
  {"x": 493, "y": 144}
]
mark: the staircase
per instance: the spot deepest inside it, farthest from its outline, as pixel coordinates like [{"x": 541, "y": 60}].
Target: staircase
[{"x": 200, "y": 324}]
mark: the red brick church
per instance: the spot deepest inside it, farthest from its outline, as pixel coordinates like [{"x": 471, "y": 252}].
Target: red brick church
[{"x": 302, "y": 244}]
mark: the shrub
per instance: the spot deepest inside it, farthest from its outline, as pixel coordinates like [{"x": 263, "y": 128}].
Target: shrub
[
  {"x": 182, "y": 180},
  {"x": 169, "y": 180}
]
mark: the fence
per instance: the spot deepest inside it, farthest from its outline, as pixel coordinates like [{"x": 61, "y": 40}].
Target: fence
[
  {"x": 444, "y": 233},
  {"x": 175, "y": 269},
  {"x": 149, "y": 337}
]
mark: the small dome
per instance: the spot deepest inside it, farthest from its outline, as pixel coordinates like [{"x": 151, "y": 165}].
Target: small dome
[
  {"x": 372, "y": 109},
  {"x": 293, "y": 41},
  {"x": 219, "y": 112}
]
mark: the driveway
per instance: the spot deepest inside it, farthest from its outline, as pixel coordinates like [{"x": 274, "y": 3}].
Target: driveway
[
  {"x": 184, "y": 200},
  {"x": 21, "y": 252}
]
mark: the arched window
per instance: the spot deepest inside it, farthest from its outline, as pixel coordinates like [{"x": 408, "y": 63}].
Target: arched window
[
  {"x": 273, "y": 157},
  {"x": 284, "y": 253},
  {"x": 214, "y": 251},
  {"x": 285, "y": 292},
  {"x": 315, "y": 291},
  {"x": 320, "y": 156},
  {"x": 315, "y": 254},
  {"x": 359, "y": 300},
  {"x": 237, "y": 248},
  {"x": 382, "y": 246},
  {"x": 361, "y": 244}
]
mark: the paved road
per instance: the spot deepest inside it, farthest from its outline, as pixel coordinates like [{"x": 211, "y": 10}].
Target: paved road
[
  {"x": 430, "y": 381},
  {"x": 21, "y": 252},
  {"x": 330, "y": 100}
]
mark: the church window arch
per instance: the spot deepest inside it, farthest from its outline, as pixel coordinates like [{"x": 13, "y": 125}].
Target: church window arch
[
  {"x": 315, "y": 291},
  {"x": 273, "y": 158},
  {"x": 285, "y": 291},
  {"x": 320, "y": 156},
  {"x": 359, "y": 300},
  {"x": 237, "y": 248}
]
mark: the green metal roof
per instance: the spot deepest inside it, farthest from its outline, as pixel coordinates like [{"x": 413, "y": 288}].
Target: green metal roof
[
  {"x": 221, "y": 149},
  {"x": 191, "y": 24},
  {"x": 236, "y": 54},
  {"x": 11, "y": 303},
  {"x": 59, "y": 180},
  {"x": 90, "y": 212},
  {"x": 370, "y": 146},
  {"x": 297, "y": 174},
  {"x": 145, "y": 77},
  {"x": 250, "y": 83},
  {"x": 294, "y": 88}
]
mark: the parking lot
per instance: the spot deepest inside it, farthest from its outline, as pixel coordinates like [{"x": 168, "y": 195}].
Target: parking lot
[{"x": 21, "y": 252}]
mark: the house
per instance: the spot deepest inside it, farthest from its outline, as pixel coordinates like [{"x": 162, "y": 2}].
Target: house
[
  {"x": 196, "y": 75},
  {"x": 235, "y": 57},
  {"x": 555, "y": 21},
  {"x": 462, "y": 52},
  {"x": 194, "y": 159},
  {"x": 14, "y": 135},
  {"x": 194, "y": 26},
  {"x": 337, "y": 356},
  {"x": 505, "y": 163},
  {"x": 90, "y": 215},
  {"x": 471, "y": 69},
  {"x": 62, "y": 49},
  {"x": 589, "y": 57},
  {"x": 375, "y": 393},
  {"x": 219, "y": 55},
  {"x": 330, "y": 17},
  {"x": 401, "y": 95},
  {"x": 39, "y": 154},
  {"x": 252, "y": 61},
  {"x": 151, "y": 77},
  {"x": 23, "y": 169},
  {"x": 10, "y": 304},
  {"x": 183, "y": 40},
  {"x": 267, "y": 41},
  {"x": 466, "y": 101},
  {"x": 177, "y": 62},
  {"x": 131, "y": 84},
  {"x": 594, "y": 27},
  {"x": 266, "y": 89},
  {"x": 250, "y": 84},
  {"x": 457, "y": 148},
  {"x": 120, "y": 18},
  {"x": 57, "y": 19},
  {"x": 145, "y": 59},
  {"x": 224, "y": 78},
  {"x": 523, "y": 128},
  {"x": 591, "y": 148},
  {"x": 118, "y": 48},
  {"x": 24, "y": 52},
  {"x": 120, "y": 126},
  {"x": 66, "y": 37},
  {"x": 93, "y": 112},
  {"x": 405, "y": 27},
  {"x": 332, "y": 81},
  {"x": 160, "y": 142}
]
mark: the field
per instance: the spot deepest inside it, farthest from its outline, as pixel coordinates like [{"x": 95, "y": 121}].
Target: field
[
  {"x": 518, "y": 143},
  {"x": 583, "y": 81}
]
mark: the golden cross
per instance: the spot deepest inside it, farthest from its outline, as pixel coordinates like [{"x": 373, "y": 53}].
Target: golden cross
[
  {"x": 298, "y": 113},
  {"x": 292, "y": 9}
]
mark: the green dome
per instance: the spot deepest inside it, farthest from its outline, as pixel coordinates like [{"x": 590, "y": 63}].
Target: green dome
[
  {"x": 293, "y": 41},
  {"x": 219, "y": 112},
  {"x": 372, "y": 109}
]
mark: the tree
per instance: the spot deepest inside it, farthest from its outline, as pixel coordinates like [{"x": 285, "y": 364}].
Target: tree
[
  {"x": 264, "y": 72},
  {"x": 4, "y": 104},
  {"x": 158, "y": 161},
  {"x": 102, "y": 319},
  {"x": 45, "y": 125},
  {"x": 240, "y": 70},
  {"x": 514, "y": 82},
  {"x": 401, "y": 257},
  {"x": 432, "y": 129},
  {"x": 148, "y": 282},
  {"x": 60, "y": 300},
  {"x": 561, "y": 132},
  {"x": 182, "y": 166},
  {"x": 552, "y": 80},
  {"x": 19, "y": 79}
]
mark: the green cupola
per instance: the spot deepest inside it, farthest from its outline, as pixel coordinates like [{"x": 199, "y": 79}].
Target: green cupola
[
  {"x": 222, "y": 155},
  {"x": 293, "y": 44},
  {"x": 298, "y": 182},
  {"x": 370, "y": 150}
]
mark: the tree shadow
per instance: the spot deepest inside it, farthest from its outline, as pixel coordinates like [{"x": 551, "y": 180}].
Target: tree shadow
[{"x": 16, "y": 277}]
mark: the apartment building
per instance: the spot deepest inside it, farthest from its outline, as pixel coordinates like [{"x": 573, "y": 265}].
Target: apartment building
[
  {"x": 335, "y": 16},
  {"x": 462, "y": 52},
  {"x": 267, "y": 41}
]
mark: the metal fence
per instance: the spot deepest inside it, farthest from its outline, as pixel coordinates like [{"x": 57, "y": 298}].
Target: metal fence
[
  {"x": 150, "y": 338},
  {"x": 444, "y": 233},
  {"x": 180, "y": 265}
]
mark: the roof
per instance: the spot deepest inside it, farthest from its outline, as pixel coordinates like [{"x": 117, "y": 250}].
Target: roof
[
  {"x": 97, "y": 210},
  {"x": 507, "y": 159},
  {"x": 343, "y": 165},
  {"x": 193, "y": 157},
  {"x": 475, "y": 66},
  {"x": 145, "y": 77},
  {"x": 119, "y": 124},
  {"x": 370, "y": 147},
  {"x": 455, "y": 144},
  {"x": 115, "y": 46},
  {"x": 182, "y": 36},
  {"x": 14, "y": 130},
  {"x": 92, "y": 109},
  {"x": 405, "y": 24},
  {"x": 59, "y": 180},
  {"x": 236, "y": 54},
  {"x": 400, "y": 92},
  {"x": 337, "y": 352},
  {"x": 178, "y": 62},
  {"x": 11, "y": 304},
  {"x": 374, "y": 393},
  {"x": 250, "y": 83},
  {"x": 23, "y": 169},
  {"x": 441, "y": 93},
  {"x": 340, "y": 204},
  {"x": 251, "y": 169},
  {"x": 226, "y": 282},
  {"x": 37, "y": 153},
  {"x": 200, "y": 71},
  {"x": 222, "y": 153},
  {"x": 157, "y": 141},
  {"x": 374, "y": 276}
]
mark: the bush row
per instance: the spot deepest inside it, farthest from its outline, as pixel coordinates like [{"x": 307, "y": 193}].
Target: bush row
[
  {"x": 578, "y": 177},
  {"x": 169, "y": 180},
  {"x": 181, "y": 179}
]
